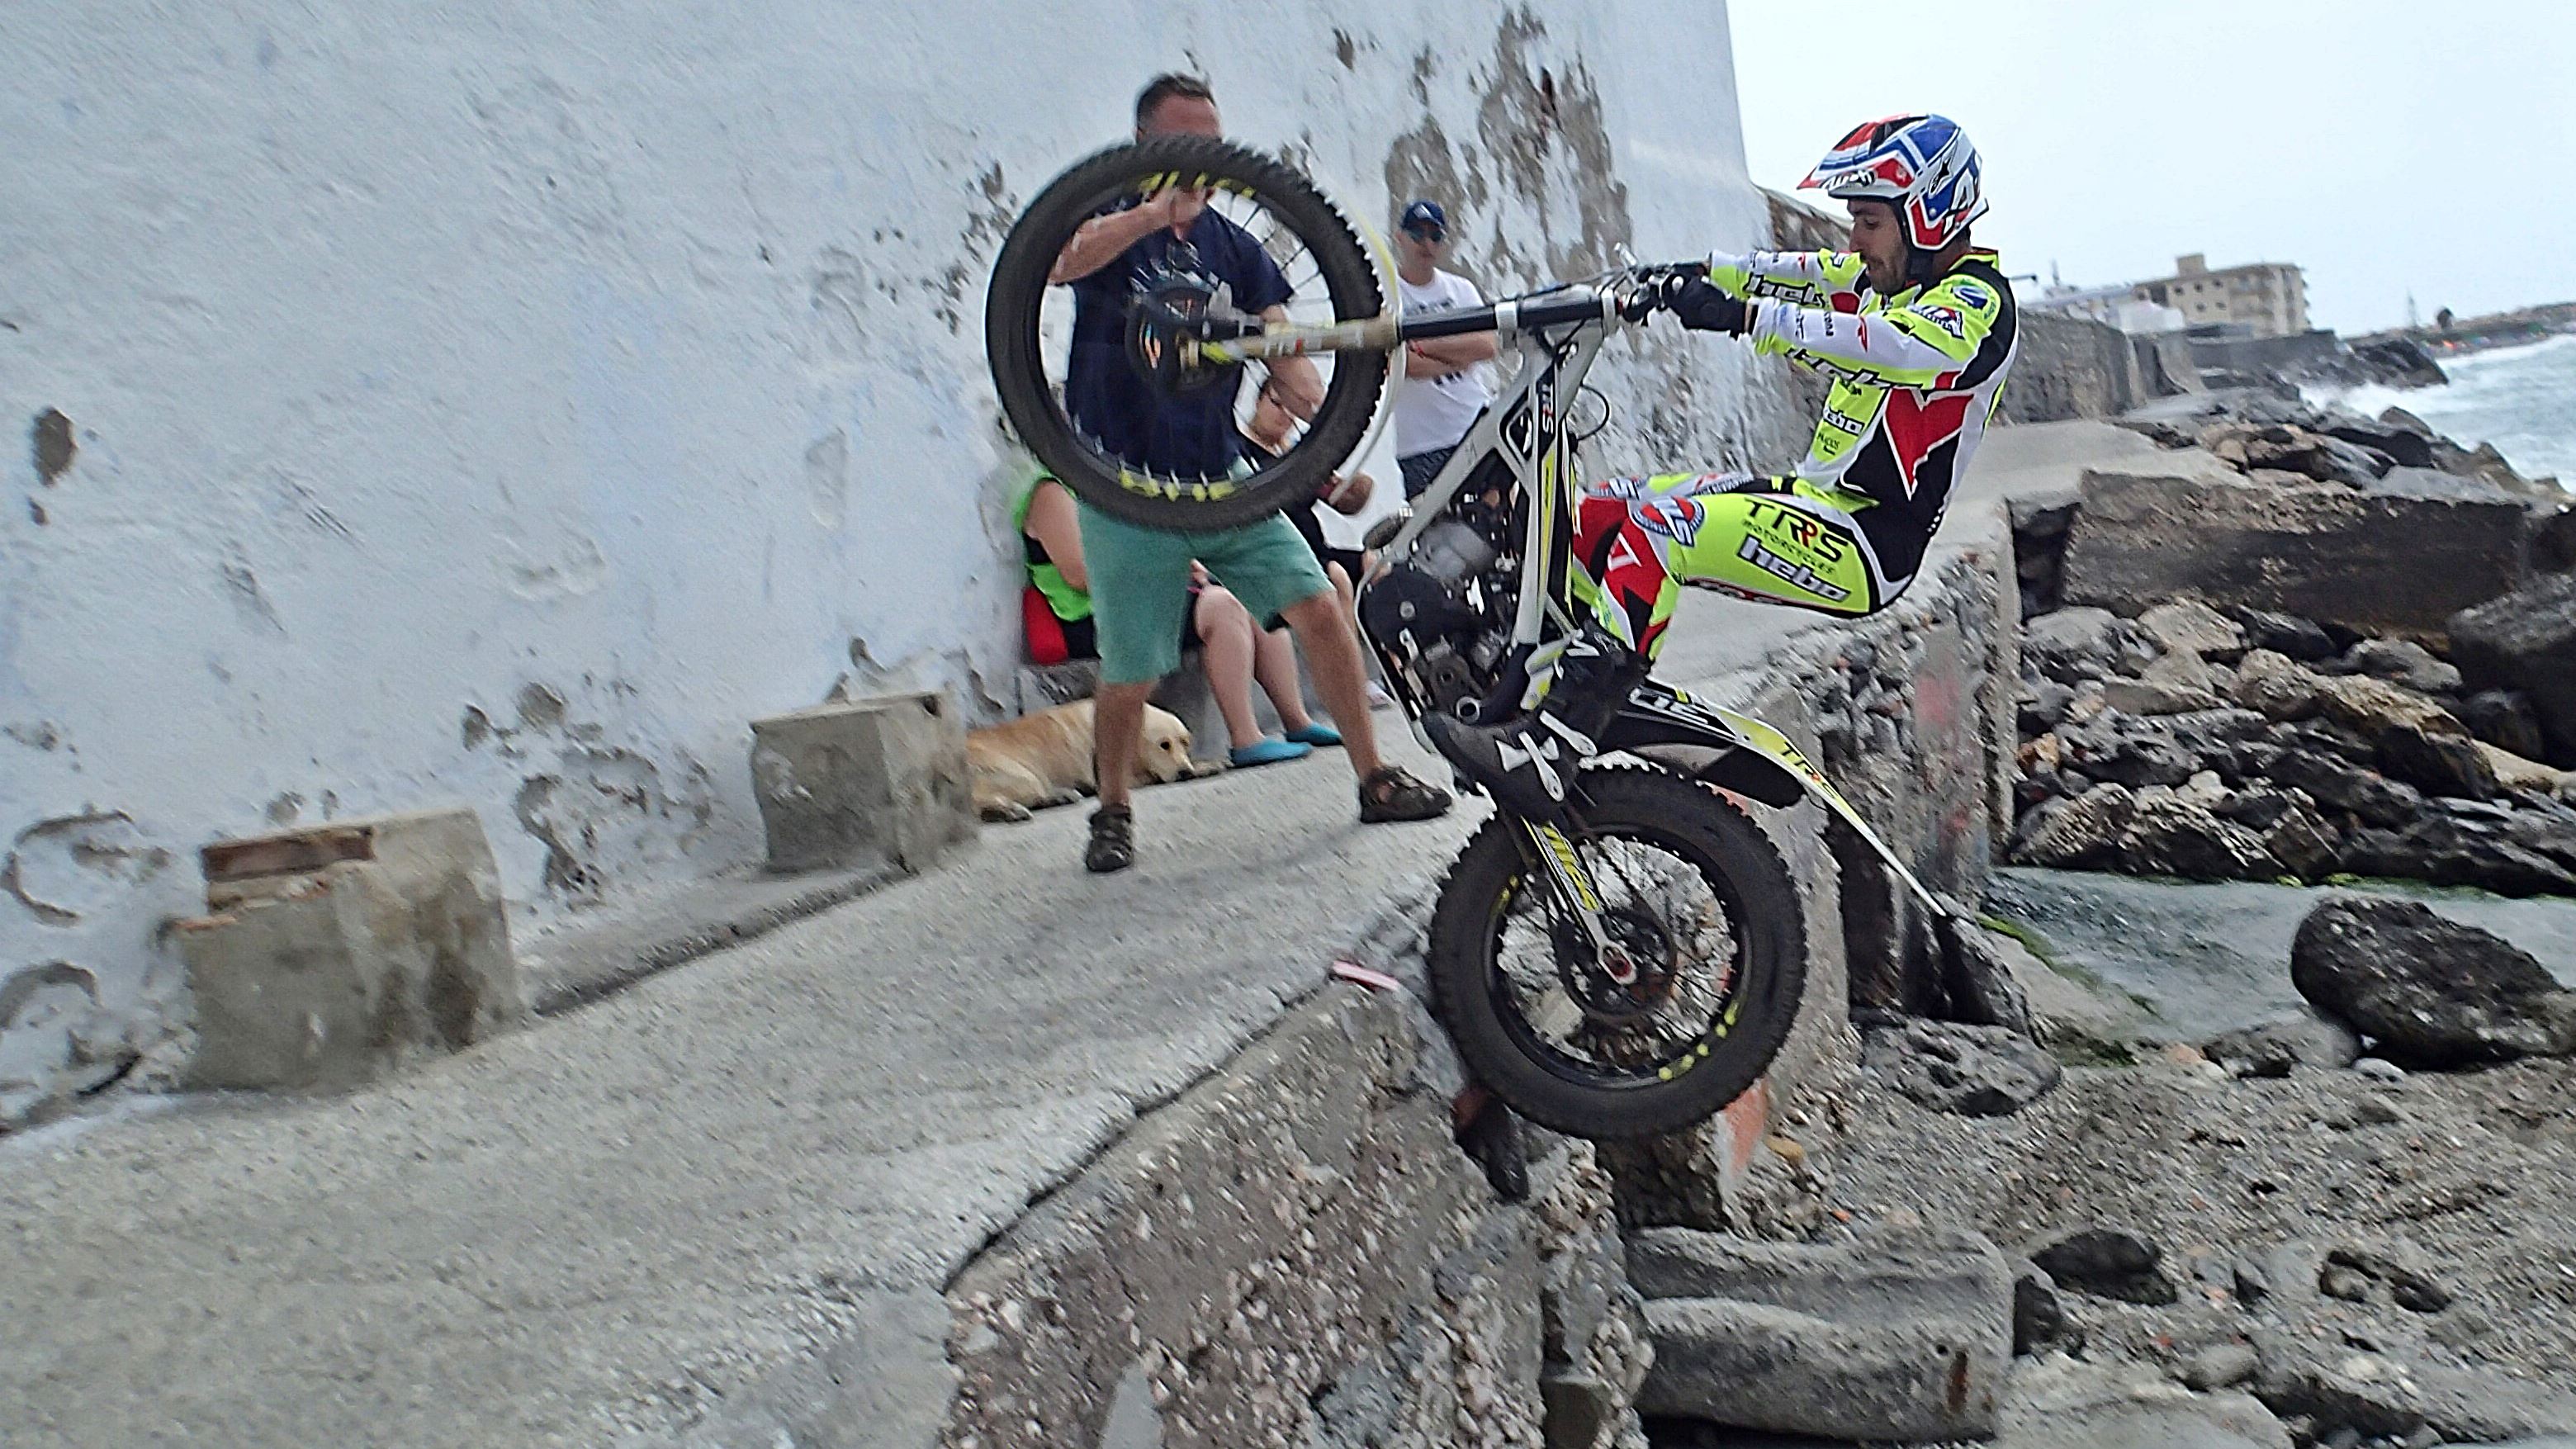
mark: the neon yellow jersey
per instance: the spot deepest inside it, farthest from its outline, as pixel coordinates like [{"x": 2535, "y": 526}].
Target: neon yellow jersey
[{"x": 1916, "y": 376}]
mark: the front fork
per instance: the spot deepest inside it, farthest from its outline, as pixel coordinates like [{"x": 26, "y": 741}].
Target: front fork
[{"x": 1552, "y": 852}]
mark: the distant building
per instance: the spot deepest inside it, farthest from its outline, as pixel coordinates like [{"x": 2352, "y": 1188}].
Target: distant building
[
  {"x": 2268, "y": 299},
  {"x": 2119, "y": 306}
]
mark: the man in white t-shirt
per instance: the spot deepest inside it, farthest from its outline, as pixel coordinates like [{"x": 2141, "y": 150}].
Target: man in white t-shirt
[{"x": 1445, "y": 378}]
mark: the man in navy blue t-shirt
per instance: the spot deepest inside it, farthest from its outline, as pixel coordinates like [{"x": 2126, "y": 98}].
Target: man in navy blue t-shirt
[
  {"x": 1190, "y": 434},
  {"x": 1140, "y": 577}
]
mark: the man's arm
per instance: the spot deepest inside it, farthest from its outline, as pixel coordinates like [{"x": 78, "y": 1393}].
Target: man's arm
[
  {"x": 1054, "y": 524},
  {"x": 1293, "y": 380},
  {"x": 1935, "y": 336},
  {"x": 1810, "y": 279},
  {"x": 1104, "y": 239},
  {"x": 1441, "y": 356}
]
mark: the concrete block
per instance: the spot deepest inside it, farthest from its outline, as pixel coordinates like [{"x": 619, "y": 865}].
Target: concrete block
[
  {"x": 2141, "y": 540},
  {"x": 335, "y": 952},
  {"x": 876, "y": 782},
  {"x": 1904, "y": 1338},
  {"x": 2527, "y": 641}
]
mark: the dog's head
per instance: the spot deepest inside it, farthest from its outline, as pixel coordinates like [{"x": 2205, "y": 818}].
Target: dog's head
[{"x": 1164, "y": 750}]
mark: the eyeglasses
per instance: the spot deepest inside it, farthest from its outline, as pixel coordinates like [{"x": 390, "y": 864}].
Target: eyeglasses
[{"x": 1433, "y": 235}]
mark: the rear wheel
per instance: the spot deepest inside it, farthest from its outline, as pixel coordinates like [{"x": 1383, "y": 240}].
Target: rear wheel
[
  {"x": 1704, "y": 909},
  {"x": 1027, "y": 322}
]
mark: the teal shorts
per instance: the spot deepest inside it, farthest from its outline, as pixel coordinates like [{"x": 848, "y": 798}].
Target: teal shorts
[{"x": 1140, "y": 584}]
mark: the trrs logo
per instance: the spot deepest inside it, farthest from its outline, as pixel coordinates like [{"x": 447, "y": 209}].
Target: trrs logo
[{"x": 1791, "y": 528}]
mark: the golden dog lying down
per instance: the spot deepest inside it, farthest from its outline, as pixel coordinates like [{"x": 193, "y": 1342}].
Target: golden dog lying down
[{"x": 1044, "y": 759}]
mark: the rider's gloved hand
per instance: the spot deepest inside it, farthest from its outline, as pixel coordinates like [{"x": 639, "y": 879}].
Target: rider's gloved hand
[
  {"x": 1703, "y": 308},
  {"x": 1657, "y": 287}
]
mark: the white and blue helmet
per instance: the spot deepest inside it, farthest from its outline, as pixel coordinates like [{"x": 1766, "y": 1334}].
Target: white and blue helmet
[{"x": 1923, "y": 166}]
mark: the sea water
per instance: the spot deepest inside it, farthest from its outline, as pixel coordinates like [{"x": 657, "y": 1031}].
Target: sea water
[{"x": 2521, "y": 398}]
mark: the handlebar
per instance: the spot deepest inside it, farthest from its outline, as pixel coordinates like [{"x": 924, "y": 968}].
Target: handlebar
[{"x": 1628, "y": 295}]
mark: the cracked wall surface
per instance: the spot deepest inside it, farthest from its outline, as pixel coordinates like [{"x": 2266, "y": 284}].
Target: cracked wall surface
[{"x": 377, "y": 374}]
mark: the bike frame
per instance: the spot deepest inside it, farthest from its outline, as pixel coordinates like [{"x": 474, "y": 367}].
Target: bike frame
[{"x": 1559, "y": 334}]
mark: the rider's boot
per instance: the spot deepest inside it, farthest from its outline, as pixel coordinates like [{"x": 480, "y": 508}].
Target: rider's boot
[{"x": 1527, "y": 762}]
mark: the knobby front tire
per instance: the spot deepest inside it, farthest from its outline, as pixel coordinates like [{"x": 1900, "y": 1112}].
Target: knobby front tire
[
  {"x": 1011, "y": 324},
  {"x": 1693, "y": 823}
]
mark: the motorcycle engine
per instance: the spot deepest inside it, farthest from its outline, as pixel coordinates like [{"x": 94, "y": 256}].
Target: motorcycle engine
[{"x": 1422, "y": 619}]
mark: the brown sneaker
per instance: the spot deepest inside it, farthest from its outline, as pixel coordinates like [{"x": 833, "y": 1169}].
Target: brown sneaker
[
  {"x": 1391, "y": 794},
  {"x": 1113, "y": 840}
]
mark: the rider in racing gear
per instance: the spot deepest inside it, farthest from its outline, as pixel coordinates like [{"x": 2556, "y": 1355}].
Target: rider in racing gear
[{"x": 1917, "y": 329}]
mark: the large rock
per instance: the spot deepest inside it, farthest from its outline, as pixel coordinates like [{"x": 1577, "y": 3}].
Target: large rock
[
  {"x": 2410, "y": 447},
  {"x": 2510, "y": 852},
  {"x": 2275, "y": 686},
  {"x": 1970, "y": 1071},
  {"x": 2139, "y": 541},
  {"x": 2065, "y": 1403},
  {"x": 2079, "y": 833},
  {"x": 2402, "y": 661},
  {"x": 2285, "y": 634},
  {"x": 2379, "y": 1397},
  {"x": 2505, "y": 719},
  {"x": 2513, "y": 772},
  {"x": 2189, "y": 624},
  {"x": 2174, "y": 835},
  {"x": 2414, "y": 739},
  {"x": 2527, "y": 641},
  {"x": 1903, "y": 1338},
  {"x": 2155, "y": 697},
  {"x": 2289, "y": 448},
  {"x": 2339, "y": 785},
  {"x": 2070, "y": 645},
  {"x": 2300, "y": 839},
  {"x": 2432, "y": 992},
  {"x": 2438, "y": 763},
  {"x": 2108, "y": 1263},
  {"x": 2273, "y": 1048},
  {"x": 2128, "y": 751}
]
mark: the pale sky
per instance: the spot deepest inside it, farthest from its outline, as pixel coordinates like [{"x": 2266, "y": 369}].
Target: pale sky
[{"x": 2386, "y": 146}]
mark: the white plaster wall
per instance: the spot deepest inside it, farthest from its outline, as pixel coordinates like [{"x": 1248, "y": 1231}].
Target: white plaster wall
[{"x": 503, "y": 403}]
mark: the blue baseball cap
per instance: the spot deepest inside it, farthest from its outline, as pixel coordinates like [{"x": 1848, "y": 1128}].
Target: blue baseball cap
[{"x": 1425, "y": 219}]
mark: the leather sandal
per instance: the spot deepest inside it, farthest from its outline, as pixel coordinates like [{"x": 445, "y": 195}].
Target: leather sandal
[
  {"x": 1391, "y": 794},
  {"x": 1113, "y": 840}
]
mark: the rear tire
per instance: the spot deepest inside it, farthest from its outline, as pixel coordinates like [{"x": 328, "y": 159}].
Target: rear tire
[
  {"x": 1018, "y": 290},
  {"x": 1693, "y": 823}
]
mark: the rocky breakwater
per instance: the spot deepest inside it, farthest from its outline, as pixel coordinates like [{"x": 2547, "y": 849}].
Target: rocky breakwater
[
  {"x": 2190, "y": 743},
  {"x": 2313, "y": 660}
]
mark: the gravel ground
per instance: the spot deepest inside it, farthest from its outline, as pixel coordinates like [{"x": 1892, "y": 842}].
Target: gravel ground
[{"x": 2470, "y": 1177}]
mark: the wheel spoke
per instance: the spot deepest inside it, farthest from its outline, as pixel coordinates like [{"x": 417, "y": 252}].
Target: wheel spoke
[{"x": 1676, "y": 929}]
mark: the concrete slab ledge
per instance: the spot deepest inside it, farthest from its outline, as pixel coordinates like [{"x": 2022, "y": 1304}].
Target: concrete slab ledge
[{"x": 577, "y": 965}]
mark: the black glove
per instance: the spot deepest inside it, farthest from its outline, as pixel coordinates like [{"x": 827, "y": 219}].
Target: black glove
[
  {"x": 1657, "y": 287},
  {"x": 1701, "y": 307}
]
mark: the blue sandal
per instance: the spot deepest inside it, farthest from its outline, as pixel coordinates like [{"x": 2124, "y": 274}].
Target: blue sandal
[
  {"x": 1318, "y": 734},
  {"x": 1268, "y": 752}
]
